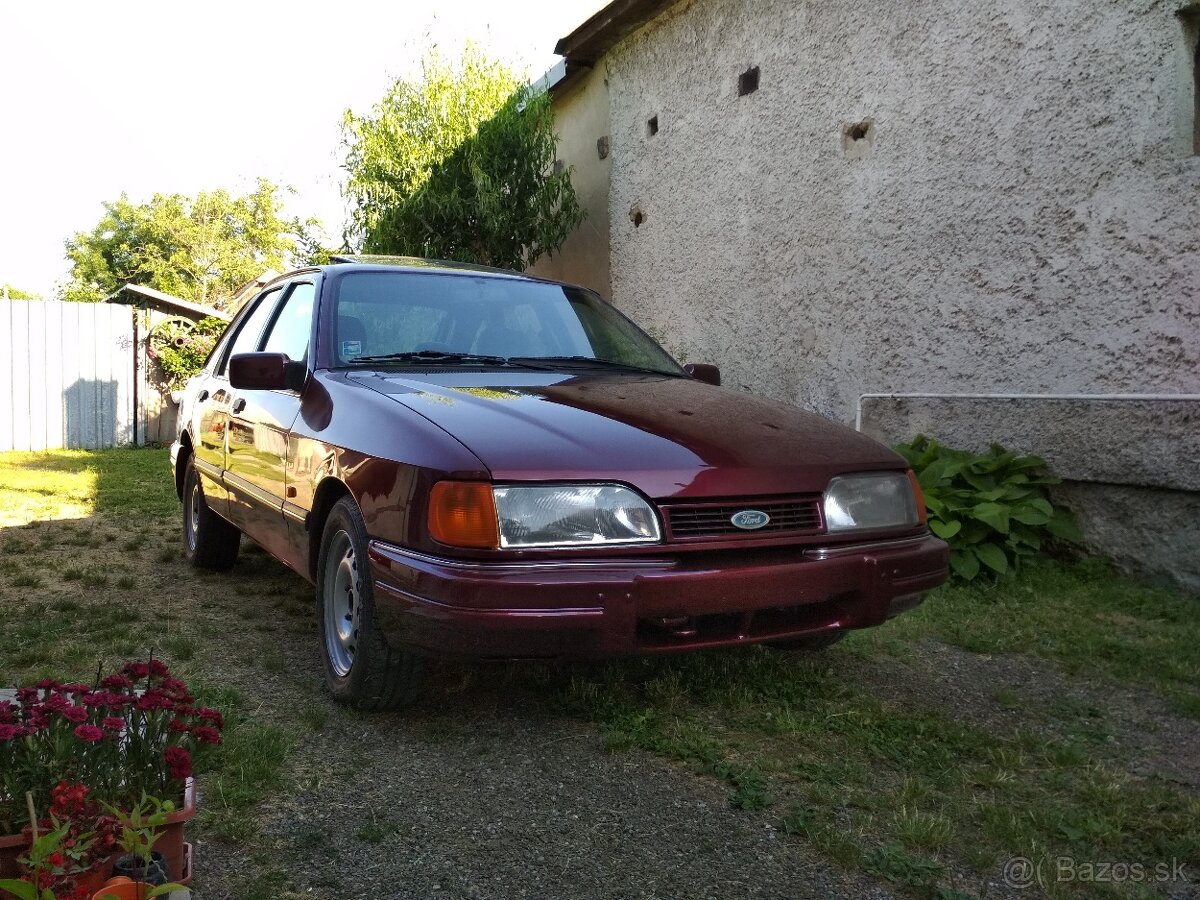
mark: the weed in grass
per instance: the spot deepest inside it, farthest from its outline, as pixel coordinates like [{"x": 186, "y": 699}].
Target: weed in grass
[
  {"x": 894, "y": 863},
  {"x": 66, "y": 606},
  {"x": 269, "y": 883},
  {"x": 273, "y": 661},
  {"x": 8, "y": 566},
  {"x": 134, "y": 544},
  {"x": 125, "y": 582},
  {"x": 922, "y": 831},
  {"x": 376, "y": 829},
  {"x": 25, "y": 579},
  {"x": 93, "y": 579},
  {"x": 750, "y": 787},
  {"x": 168, "y": 554},
  {"x": 315, "y": 717},
  {"x": 72, "y": 574},
  {"x": 180, "y": 647}
]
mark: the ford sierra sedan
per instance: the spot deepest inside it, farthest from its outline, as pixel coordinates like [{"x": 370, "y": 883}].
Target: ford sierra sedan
[{"x": 476, "y": 464}]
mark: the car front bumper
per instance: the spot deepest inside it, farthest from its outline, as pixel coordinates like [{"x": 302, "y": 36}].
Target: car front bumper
[{"x": 582, "y": 608}]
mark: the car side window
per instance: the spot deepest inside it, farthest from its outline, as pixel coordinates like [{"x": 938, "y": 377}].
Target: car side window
[
  {"x": 247, "y": 338},
  {"x": 292, "y": 326}
]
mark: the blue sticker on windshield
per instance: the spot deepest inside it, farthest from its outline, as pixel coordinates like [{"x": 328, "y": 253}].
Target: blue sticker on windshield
[{"x": 351, "y": 348}]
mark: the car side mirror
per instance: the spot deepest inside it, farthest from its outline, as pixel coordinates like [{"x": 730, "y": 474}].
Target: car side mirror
[
  {"x": 266, "y": 372},
  {"x": 704, "y": 372}
]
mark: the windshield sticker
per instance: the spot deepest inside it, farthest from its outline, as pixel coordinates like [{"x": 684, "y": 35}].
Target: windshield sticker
[{"x": 351, "y": 348}]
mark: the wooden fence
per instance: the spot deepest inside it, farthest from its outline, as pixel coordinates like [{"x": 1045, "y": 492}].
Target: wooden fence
[{"x": 70, "y": 377}]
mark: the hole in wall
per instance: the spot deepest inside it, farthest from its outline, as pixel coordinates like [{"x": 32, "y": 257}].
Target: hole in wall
[
  {"x": 602, "y": 147},
  {"x": 748, "y": 81},
  {"x": 636, "y": 216},
  {"x": 858, "y": 138},
  {"x": 652, "y": 126}
]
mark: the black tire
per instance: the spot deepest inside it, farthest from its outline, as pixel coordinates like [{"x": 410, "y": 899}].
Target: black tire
[
  {"x": 209, "y": 542},
  {"x": 810, "y": 644},
  {"x": 361, "y": 668}
]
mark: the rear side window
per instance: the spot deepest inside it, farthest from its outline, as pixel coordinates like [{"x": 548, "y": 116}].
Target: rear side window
[
  {"x": 250, "y": 331},
  {"x": 291, "y": 328}
]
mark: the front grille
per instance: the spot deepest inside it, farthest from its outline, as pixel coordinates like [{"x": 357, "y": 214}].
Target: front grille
[{"x": 695, "y": 521}]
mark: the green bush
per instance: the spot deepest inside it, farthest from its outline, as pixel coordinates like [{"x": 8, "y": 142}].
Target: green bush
[
  {"x": 181, "y": 350},
  {"x": 992, "y": 508}
]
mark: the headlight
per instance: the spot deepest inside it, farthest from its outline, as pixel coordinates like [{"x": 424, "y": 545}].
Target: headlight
[
  {"x": 870, "y": 502},
  {"x": 558, "y": 515}
]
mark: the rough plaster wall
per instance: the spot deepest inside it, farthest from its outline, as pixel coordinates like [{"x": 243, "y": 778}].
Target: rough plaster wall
[
  {"x": 581, "y": 118},
  {"x": 1027, "y": 219}
]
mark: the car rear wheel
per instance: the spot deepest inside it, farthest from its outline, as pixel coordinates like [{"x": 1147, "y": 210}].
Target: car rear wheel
[
  {"x": 209, "y": 542},
  {"x": 809, "y": 644},
  {"x": 361, "y": 669}
]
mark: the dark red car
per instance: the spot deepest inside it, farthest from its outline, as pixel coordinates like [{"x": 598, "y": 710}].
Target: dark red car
[{"x": 477, "y": 464}]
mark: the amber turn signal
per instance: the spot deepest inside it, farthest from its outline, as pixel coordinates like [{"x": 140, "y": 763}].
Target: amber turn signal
[
  {"x": 463, "y": 514},
  {"x": 918, "y": 497}
]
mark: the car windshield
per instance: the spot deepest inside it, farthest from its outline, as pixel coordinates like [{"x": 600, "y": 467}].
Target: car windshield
[{"x": 411, "y": 319}]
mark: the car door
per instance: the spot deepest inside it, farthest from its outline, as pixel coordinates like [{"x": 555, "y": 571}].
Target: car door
[
  {"x": 259, "y": 423},
  {"x": 210, "y": 414}
]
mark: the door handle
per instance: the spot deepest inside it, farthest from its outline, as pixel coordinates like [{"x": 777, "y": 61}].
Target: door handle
[
  {"x": 239, "y": 404},
  {"x": 203, "y": 396}
]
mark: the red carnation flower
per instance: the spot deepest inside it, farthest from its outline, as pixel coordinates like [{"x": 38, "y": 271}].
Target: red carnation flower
[
  {"x": 135, "y": 670},
  {"x": 56, "y": 859},
  {"x": 206, "y": 735},
  {"x": 179, "y": 762},
  {"x": 157, "y": 667},
  {"x": 55, "y": 702},
  {"x": 48, "y": 684},
  {"x": 76, "y": 688},
  {"x": 75, "y": 714},
  {"x": 89, "y": 733},
  {"x": 9, "y": 732},
  {"x": 113, "y": 723},
  {"x": 207, "y": 714},
  {"x": 8, "y": 712},
  {"x": 26, "y": 695},
  {"x": 116, "y": 683},
  {"x": 178, "y": 726}
]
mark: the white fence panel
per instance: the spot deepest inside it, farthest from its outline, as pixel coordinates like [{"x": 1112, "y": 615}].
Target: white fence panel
[{"x": 66, "y": 376}]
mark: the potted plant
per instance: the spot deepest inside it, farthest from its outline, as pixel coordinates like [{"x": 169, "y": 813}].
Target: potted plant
[
  {"x": 141, "y": 871},
  {"x": 68, "y": 851},
  {"x": 135, "y": 733}
]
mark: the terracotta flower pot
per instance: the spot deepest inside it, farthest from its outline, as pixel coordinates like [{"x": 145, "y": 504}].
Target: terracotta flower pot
[
  {"x": 170, "y": 843},
  {"x": 11, "y": 846}
]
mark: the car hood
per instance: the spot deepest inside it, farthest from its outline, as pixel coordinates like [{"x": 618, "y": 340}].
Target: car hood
[{"x": 669, "y": 437}]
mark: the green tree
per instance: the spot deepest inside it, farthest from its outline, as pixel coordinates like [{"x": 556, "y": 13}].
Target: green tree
[
  {"x": 12, "y": 293},
  {"x": 200, "y": 249},
  {"x": 458, "y": 165}
]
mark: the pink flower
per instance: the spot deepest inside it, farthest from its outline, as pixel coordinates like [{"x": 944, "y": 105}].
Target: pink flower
[
  {"x": 113, "y": 723},
  {"x": 26, "y": 695},
  {"x": 135, "y": 670},
  {"x": 89, "y": 733},
  {"x": 8, "y": 732},
  {"x": 56, "y": 702},
  {"x": 76, "y": 688},
  {"x": 116, "y": 683},
  {"x": 75, "y": 714},
  {"x": 48, "y": 684},
  {"x": 177, "y": 725},
  {"x": 96, "y": 699},
  {"x": 8, "y": 712}
]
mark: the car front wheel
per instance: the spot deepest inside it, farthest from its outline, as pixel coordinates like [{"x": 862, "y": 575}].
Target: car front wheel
[
  {"x": 209, "y": 542},
  {"x": 361, "y": 669}
]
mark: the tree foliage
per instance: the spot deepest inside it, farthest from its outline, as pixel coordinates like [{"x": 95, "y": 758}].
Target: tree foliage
[
  {"x": 458, "y": 165},
  {"x": 12, "y": 293},
  {"x": 200, "y": 249}
]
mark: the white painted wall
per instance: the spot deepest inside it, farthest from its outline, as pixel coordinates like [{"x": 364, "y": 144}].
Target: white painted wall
[
  {"x": 66, "y": 375},
  {"x": 1027, "y": 219}
]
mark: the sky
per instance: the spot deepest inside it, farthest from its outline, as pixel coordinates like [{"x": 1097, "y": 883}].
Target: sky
[{"x": 144, "y": 97}]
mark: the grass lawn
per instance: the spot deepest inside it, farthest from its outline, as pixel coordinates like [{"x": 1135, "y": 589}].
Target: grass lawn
[{"x": 1052, "y": 716}]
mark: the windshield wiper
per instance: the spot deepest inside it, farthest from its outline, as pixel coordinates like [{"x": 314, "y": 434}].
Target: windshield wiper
[
  {"x": 434, "y": 356},
  {"x": 554, "y": 362}
]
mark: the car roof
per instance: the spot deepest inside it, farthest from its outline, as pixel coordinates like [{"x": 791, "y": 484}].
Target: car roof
[{"x": 346, "y": 262}]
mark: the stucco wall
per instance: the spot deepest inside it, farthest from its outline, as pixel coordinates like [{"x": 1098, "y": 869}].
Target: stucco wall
[
  {"x": 1027, "y": 217},
  {"x": 581, "y": 112}
]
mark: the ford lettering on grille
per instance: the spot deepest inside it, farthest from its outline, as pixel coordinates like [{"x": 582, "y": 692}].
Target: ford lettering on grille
[{"x": 749, "y": 519}]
